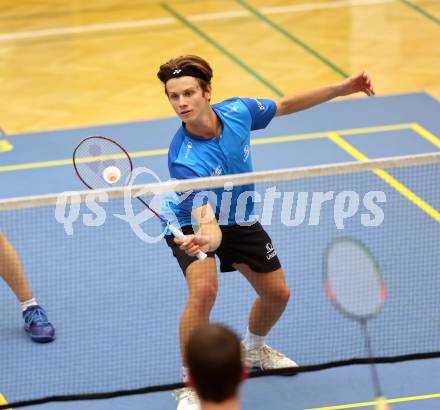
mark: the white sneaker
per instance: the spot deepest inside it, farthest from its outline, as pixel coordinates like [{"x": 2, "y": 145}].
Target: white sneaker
[
  {"x": 187, "y": 399},
  {"x": 266, "y": 358}
]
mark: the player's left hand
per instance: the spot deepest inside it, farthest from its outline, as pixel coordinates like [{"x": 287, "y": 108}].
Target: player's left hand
[{"x": 357, "y": 83}]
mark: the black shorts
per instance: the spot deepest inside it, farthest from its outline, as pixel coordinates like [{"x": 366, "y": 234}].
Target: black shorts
[{"x": 249, "y": 244}]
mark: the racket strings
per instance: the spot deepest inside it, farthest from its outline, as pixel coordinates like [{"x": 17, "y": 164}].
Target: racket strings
[{"x": 96, "y": 155}]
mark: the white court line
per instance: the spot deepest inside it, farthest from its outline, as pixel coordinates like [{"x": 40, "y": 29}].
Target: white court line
[
  {"x": 59, "y": 31},
  {"x": 320, "y": 6},
  {"x": 86, "y": 29}
]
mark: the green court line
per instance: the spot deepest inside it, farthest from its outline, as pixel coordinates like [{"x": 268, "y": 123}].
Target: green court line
[
  {"x": 219, "y": 47},
  {"x": 293, "y": 38},
  {"x": 421, "y": 11}
]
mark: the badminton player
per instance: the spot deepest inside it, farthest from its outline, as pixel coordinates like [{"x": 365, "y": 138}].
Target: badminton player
[
  {"x": 215, "y": 367},
  {"x": 36, "y": 323},
  {"x": 214, "y": 139}
]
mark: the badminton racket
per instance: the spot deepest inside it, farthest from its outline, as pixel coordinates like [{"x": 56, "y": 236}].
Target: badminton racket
[
  {"x": 354, "y": 285},
  {"x": 101, "y": 162}
]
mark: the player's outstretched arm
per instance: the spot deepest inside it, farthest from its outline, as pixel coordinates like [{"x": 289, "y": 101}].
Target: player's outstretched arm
[
  {"x": 209, "y": 235},
  {"x": 302, "y": 100}
]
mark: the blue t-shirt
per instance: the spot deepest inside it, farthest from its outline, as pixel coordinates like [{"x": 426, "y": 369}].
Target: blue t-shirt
[{"x": 190, "y": 156}]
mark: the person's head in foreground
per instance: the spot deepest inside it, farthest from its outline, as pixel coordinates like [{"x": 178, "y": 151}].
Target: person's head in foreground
[{"x": 215, "y": 365}]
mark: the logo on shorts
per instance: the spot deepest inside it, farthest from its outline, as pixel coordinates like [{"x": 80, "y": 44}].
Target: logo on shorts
[{"x": 270, "y": 251}]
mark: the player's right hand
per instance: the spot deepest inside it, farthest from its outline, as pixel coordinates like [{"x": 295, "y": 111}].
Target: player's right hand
[{"x": 192, "y": 244}]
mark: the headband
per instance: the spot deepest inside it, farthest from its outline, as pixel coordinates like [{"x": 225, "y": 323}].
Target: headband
[{"x": 182, "y": 72}]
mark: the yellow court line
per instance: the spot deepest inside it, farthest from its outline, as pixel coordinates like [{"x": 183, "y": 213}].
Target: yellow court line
[
  {"x": 137, "y": 154},
  {"x": 393, "y": 182},
  {"x": 5, "y": 146},
  {"x": 316, "y": 135},
  {"x": 373, "y": 403},
  {"x": 57, "y": 163},
  {"x": 257, "y": 141},
  {"x": 380, "y": 128},
  {"x": 3, "y": 400},
  {"x": 150, "y": 153},
  {"x": 286, "y": 138},
  {"x": 426, "y": 134}
]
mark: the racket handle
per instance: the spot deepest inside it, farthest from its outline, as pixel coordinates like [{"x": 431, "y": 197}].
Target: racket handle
[{"x": 180, "y": 235}]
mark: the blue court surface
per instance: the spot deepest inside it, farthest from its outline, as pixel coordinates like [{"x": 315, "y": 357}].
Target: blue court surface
[{"x": 116, "y": 302}]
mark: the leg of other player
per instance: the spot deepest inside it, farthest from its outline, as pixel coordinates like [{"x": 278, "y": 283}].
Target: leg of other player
[
  {"x": 11, "y": 269},
  {"x": 201, "y": 278}
]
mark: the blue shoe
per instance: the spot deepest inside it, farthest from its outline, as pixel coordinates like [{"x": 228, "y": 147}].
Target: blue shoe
[{"x": 37, "y": 325}]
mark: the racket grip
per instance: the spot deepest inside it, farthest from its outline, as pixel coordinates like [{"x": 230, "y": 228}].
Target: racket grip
[{"x": 180, "y": 235}]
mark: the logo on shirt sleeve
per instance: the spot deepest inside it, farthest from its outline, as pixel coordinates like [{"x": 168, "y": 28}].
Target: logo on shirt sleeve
[
  {"x": 217, "y": 171},
  {"x": 233, "y": 109},
  {"x": 246, "y": 152},
  {"x": 183, "y": 195},
  {"x": 260, "y": 104},
  {"x": 188, "y": 149}
]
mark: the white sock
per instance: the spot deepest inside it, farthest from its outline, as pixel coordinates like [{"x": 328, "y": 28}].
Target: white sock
[
  {"x": 28, "y": 303},
  {"x": 252, "y": 341},
  {"x": 185, "y": 374}
]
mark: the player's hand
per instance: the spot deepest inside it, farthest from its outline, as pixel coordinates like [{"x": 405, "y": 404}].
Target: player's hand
[
  {"x": 193, "y": 244},
  {"x": 357, "y": 83}
]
